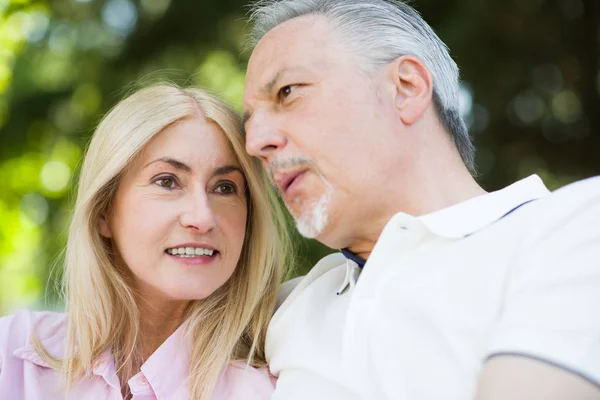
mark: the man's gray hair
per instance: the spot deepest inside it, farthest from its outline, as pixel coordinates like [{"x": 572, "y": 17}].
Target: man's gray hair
[{"x": 381, "y": 31}]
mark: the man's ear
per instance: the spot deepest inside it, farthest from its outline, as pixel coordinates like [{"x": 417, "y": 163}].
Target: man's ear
[
  {"x": 104, "y": 227},
  {"x": 413, "y": 88}
]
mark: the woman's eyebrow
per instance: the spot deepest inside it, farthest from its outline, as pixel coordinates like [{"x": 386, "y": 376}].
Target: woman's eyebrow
[
  {"x": 174, "y": 163},
  {"x": 226, "y": 169}
]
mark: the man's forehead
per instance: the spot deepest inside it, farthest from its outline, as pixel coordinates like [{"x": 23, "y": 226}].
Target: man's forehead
[
  {"x": 303, "y": 44},
  {"x": 298, "y": 31}
]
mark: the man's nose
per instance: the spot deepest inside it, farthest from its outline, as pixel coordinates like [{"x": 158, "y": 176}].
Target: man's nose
[
  {"x": 198, "y": 214},
  {"x": 263, "y": 139}
]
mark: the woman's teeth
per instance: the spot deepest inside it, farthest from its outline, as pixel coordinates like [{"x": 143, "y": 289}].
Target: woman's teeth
[{"x": 190, "y": 251}]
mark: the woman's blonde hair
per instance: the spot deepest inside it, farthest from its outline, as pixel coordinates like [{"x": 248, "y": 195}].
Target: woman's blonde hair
[{"x": 229, "y": 325}]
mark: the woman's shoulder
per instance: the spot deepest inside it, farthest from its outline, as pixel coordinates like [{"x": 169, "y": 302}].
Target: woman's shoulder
[
  {"x": 241, "y": 380},
  {"x": 17, "y": 330},
  {"x": 24, "y": 322}
]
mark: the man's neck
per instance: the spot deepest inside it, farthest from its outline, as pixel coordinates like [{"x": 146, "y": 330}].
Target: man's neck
[{"x": 427, "y": 196}]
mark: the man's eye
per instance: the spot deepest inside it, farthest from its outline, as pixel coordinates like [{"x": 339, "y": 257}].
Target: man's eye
[
  {"x": 166, "y": 182},
  {"x": 285, "y": 91},
  {"x": 226, "y": 188}
]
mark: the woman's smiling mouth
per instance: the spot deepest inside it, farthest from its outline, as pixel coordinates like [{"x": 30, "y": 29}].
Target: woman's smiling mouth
[{"x": 191, "y": 252}]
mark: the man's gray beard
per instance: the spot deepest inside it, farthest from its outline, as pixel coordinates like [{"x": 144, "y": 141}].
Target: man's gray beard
[{"x": 312, "y": 222}]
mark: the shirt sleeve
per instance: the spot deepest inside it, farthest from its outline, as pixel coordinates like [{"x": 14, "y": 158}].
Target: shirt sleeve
[
  {"x": 241, "y": 381},
  {"x": 8, "y": 329},
  {"x": 1, "y": 355},
  {"x": 4, "y": 330},
  {"x": 551, "y": 310}
]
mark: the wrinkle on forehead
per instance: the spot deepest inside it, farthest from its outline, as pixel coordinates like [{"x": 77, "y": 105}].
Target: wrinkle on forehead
[
  {"x": 308, "y": 41},
  {"x": 298, "y": 31},
  {"x": 288, "y": 42},
  {"x": 189, "y": 130}
]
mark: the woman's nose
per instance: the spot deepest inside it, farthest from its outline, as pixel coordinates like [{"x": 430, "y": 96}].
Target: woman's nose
[{"x": 198, "y": 214}]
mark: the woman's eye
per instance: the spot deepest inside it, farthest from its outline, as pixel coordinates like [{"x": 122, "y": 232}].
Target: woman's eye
[
  {"x": 226, "y": 188},
  {"x": 166, "y": 182}
]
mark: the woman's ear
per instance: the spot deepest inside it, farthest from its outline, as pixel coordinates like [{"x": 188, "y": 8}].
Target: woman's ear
[
  {"x": 104, "y": 227},
  {"x": 414, "y": 88}
]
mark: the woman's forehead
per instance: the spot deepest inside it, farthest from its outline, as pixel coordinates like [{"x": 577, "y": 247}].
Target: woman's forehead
[{"x": 196, "y": 142}]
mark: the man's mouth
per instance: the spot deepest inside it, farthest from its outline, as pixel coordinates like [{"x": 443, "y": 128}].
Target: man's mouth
[
  {"x": 191, "y": 252},
  {"x": 286, "y": 180}
]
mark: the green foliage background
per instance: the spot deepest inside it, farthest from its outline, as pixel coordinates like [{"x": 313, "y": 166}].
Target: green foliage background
[{"x": 531, "y": 94}]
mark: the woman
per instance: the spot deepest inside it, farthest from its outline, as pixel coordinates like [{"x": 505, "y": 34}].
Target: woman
[{"x": 172, "y": 264}]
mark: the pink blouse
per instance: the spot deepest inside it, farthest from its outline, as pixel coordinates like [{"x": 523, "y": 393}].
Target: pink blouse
[{"x": 24, "y": 375}]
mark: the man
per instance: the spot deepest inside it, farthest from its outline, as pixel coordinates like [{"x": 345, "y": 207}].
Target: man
[{"x": 352, "y": 106}]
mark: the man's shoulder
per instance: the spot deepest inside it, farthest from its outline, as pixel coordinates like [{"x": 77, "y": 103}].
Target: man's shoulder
[
  {"x": 325, "y": 264},
  {"x": 580, "y": 193},
  {"x": 241, "y": 380},
  {"x": 576, "y": 203},
  {"x": 555, "y": 209},
  {"x": 294, "y": 286},
  {"x": 286, "y": 288}
]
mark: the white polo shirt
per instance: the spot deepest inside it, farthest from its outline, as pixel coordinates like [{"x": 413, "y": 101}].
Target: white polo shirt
[{"x": 442, "y": 293}]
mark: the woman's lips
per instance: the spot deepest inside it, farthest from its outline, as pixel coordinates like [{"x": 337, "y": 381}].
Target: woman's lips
[
  {"x": 193, "y": 253},
  {"x": 195, "y": 259}
]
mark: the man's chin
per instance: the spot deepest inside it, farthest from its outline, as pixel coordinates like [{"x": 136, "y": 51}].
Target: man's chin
[
  {"x": 312, "y": 226},
  {"x": 313, "y": 218},
  {"x": 307, "y": 230}
]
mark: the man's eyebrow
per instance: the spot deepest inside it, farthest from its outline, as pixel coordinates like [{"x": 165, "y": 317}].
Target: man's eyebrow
[
  {"x": 174, "y": 163},
  {"x": 266, "y": 89},
  {"x": 226, "y": 169},
  {"x": 246, "y": 116}
]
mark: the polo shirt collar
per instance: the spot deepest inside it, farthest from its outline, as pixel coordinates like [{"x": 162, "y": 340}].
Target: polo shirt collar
[
  {"x": 466, "y": 218},
  {"x": 352, "y": 256}
]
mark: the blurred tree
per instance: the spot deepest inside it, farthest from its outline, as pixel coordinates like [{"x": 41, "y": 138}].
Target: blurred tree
[{"x": 531, "y": 95}]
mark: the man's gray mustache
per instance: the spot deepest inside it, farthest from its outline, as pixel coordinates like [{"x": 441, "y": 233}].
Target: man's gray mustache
[{"x": 279, "y": 164}]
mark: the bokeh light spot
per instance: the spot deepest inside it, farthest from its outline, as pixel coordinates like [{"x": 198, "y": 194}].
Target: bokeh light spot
[
  {"x": 547, "y": 78},
  {"x": 39, "y": 26},
  {"x": 528, "y": 107},
  {"x": 465, "y": 99},
  {"x": 566, "y": 107},
  {"x": 34, "y": 207},
  {"x": 3, "y": 111},
  {"x": 86, "y": 99},
  {"x": 120, "y": 15},
  {"x": 155, "y": 8},
  {"x": 53, "y": 71},
  {"x": 62, "y": 39},
  {"x": 55, "y": 176},
  {"x": 220, "y": 74},
  {"x": 5, "y": 76}
]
